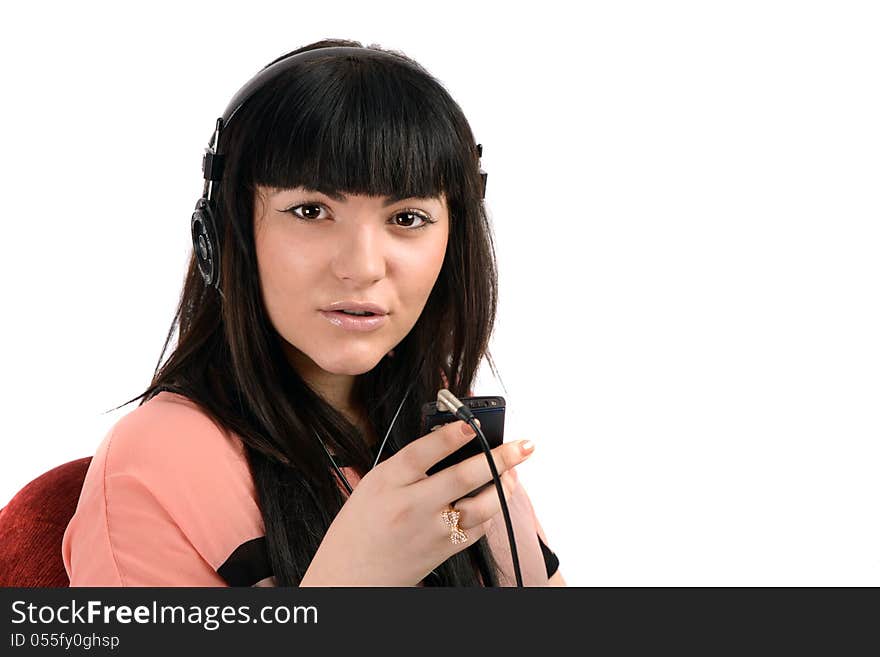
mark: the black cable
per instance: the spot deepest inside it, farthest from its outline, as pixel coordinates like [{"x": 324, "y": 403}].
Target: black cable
[
  {"x": 413, "y": 379},
  {"x": 462, "y": 412}
]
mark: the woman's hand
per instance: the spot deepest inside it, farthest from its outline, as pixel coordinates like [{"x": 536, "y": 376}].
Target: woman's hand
[{"x": 390, "y": 531}]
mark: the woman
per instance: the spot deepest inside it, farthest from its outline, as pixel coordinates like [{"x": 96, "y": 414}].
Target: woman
[{"x": 349, "y": 179}]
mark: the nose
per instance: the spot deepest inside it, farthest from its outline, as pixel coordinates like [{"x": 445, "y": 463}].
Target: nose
[{"x": 360, "y": 256}]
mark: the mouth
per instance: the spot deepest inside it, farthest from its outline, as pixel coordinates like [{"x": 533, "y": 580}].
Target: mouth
[{"x": 352, "y": 321}]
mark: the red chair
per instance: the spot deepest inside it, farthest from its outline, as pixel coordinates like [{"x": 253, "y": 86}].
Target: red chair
[{"x": 32, "y": 526}]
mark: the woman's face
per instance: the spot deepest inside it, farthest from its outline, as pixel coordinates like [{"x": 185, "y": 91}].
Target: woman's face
[{"x": 314, "y": 251}]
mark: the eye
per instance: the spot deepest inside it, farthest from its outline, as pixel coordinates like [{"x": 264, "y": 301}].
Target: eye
[
  {"x": 412, "y": 215},
  {"x": 312, "y": 215}
]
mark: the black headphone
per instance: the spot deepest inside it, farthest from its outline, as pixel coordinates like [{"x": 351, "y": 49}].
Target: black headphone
[{"x": 203, "y": 225}]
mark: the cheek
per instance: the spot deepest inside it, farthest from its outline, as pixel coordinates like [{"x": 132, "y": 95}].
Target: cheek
[
  {"x": 283, "y": 273},
  {"x": 420, "y": 271}
]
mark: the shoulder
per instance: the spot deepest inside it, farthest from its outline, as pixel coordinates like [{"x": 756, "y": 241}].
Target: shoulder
[
  {"x": 172, "y": 451},
  {"x": 170, "y": 431},
  {"x": 169, "y": 443},
  {"x": 168, "y": 499}
]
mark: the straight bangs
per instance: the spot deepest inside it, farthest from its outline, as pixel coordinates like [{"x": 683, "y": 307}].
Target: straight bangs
[{"x": 358, "y": 126}]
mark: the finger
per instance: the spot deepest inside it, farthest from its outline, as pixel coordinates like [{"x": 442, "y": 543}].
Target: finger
[
  {"x": 474, "y": 534},
  {"x": 485, "y": 505},
  {"x": 412, "y": 462},
  {"x": 460, "y": 479}
]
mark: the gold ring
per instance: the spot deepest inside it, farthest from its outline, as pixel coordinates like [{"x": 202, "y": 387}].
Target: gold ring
[{"x": 450, "y": 517}]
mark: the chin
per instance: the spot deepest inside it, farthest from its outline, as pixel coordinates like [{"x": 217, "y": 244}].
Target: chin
[{"x": 351, "y": 364}]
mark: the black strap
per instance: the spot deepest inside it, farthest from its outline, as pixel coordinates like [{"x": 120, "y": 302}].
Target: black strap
[
  {"x": 247, "y": 565},
  {"x": 550, "y": 558}
]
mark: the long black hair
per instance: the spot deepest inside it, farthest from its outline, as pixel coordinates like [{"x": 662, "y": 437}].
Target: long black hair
[{"x": 377, "y": 125}]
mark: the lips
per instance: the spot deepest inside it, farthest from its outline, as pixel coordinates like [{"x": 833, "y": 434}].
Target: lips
[
  {"x": 358, "y": 306},
  {"x": 353, "y": 322}
]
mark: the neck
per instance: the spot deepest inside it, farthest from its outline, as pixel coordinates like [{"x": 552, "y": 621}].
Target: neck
[{"x": 336, "y": 389}]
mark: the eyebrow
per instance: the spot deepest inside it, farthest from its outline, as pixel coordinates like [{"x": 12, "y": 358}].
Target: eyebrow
[{"x": 342, "y": 198}]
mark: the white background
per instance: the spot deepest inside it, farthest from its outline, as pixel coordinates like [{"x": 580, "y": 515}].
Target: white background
[{"x": 685, "y": 200}]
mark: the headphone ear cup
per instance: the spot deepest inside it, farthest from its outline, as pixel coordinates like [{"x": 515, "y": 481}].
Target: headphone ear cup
[{"x": 205, "y": 246}]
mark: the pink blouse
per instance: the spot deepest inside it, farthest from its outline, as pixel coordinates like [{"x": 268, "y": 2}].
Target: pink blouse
[{"x": 168, "y": 500}]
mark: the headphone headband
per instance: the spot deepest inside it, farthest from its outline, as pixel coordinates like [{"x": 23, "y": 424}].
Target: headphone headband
[{"x": 283, "y": 63}]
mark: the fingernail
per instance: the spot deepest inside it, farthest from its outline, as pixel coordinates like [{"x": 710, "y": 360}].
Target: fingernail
[
  {"x": 527, "y": 446},
  {"x": 467, "y": 430}
]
